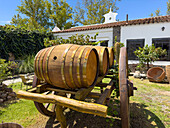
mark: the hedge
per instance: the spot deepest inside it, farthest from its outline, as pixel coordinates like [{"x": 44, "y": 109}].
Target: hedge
[{"x": 20, "y": 42}]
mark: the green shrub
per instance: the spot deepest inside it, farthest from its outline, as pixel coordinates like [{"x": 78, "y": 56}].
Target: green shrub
[
  {"x": 27, "y": 65},
  {"x": 4, "y": 71},
  {"x": 149, "y": 54},
  {"x": 74, "y": 39},
  {"x": 20, "y": 41}
]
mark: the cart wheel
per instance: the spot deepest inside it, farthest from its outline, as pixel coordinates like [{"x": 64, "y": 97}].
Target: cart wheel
[
  {"x": 123, "y": 89},
  {"x": 44, "y": 108}
]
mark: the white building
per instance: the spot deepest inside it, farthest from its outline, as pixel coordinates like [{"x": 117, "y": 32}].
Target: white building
[{"x": 133, "y": 33}]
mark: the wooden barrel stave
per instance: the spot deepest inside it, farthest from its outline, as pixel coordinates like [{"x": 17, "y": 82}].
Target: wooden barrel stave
[{"x": 69, "y": 61}]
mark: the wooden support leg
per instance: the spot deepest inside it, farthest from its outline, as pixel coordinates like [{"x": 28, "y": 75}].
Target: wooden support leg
[
  {"x": 60, "y": 116},
  {"x": 101, "y": 89}
]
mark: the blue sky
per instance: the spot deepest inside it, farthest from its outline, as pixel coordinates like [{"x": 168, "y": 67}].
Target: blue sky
[{"x": 134, "y": 8}]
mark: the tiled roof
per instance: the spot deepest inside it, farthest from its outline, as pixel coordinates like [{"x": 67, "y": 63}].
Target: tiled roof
[{"x": 157, "y": 19}]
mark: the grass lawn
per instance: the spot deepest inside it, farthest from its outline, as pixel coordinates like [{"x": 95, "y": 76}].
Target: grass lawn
[
  {"x": 22, "y": 111},
  {"x": 152, "y": 103},
  {"x": 150, "y": 107}
]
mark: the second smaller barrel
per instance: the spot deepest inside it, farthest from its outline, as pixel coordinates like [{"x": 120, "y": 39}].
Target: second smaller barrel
[
  {"x": 103, "y": 59},
  {"x": 111, "y": 56}
]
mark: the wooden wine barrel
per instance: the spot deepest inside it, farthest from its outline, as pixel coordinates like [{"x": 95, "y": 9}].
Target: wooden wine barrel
[
  {"x": 111, "y": 56},
  {"x": 103, "y": 59},
  {"x": 168, "y": 72},
  {"x": 67, "y": 66}
]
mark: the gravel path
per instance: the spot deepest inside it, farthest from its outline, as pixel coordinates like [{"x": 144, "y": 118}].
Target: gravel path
[{"x": 12, "y": 81}]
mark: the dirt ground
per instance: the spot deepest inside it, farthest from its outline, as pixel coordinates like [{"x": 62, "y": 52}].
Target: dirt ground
[
  {"x": 140, "y": 115},
  {"x": 139, "y": 119}
]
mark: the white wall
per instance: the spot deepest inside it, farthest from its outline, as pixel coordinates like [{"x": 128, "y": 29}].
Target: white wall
[
  {"x": 103, "y": 34},
  {"x": 147, "y": 32}
]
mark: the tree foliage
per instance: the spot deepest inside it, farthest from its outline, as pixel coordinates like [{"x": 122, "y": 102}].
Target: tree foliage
[
  {"x": 149, "y": 54},
  {"x": 168, "y": 7},
  {"x": 156, "y": 13},
  {"x": 92, "y": 11},
  {"x": 60, "y": 13},
  {"x": 74, "y": 39},
  {"x": 43, "y": 14}
]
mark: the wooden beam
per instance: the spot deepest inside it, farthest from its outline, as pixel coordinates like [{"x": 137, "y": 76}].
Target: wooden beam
[
  {"x": 83, "y": 92},
  {"x": 94, "y": 95},
  {"x": 110, "y": 77},
  {"x": 60, "y": 90},
  {"x": 101, "y": 85},
  {"x": 32, "y": 89},
  {"x": 106, "y": 93},
  {"x": 60, "y": 116},
  {"x": 80, "y": 106}
]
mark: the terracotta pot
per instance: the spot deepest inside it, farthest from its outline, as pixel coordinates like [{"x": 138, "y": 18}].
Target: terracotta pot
[
  {"x": 156, "y": 74},
  {"x": 10, "y": 125}
]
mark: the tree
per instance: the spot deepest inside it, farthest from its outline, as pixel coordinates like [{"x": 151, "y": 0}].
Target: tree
[
  {"x": 43, "y": 14},
  {"x": 157, "y": 13},
  {"x": 151, "y": 15},
  {"x": 35, "y": 12},
  {"x": 60, "y": 13},
  {"x": 168, "y": 7},
  {"x": 149, "y": 54},
  {"x": 92, "y": 11}
]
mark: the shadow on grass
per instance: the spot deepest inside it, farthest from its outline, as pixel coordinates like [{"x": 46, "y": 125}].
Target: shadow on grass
[
  {"x": 143, "y": 118},
  {"x": 140, "y": 118}
]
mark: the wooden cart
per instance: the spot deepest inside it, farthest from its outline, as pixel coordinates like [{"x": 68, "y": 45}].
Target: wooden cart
[{"x": 44, "y": 93}]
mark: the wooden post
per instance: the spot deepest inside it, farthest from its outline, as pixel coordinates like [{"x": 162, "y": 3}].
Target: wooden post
[{"x": 60, "y": 116}]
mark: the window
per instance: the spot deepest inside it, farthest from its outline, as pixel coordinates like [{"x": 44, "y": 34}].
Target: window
[
  {"x": 164, "y": 43},
  {"x": 104, "y": 43},
  {"x": 132, "y": 45}
]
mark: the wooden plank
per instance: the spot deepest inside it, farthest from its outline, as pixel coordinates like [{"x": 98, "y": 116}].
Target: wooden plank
[
  {"x": 80, "y": 106},
  {"x": 94, "y": 95},
  {"x": 42, "y": 88},
  {"x": 110, "y": 77},
  {"x": 106, "y": 93},
  {"x": 101, "y": 85},
  {"x": 60, "y": 116},
  {"x": 99, "y": 79},
  {"x": 83, "y": 92},
  {"x": 60, "y": 90},
  {"x": 32, "y": 90}
]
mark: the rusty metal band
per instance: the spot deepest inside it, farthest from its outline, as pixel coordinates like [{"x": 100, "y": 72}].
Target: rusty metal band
[
  {"x": 71, "y": 66},
  {"x": 46, "y": 67},
  {"x": 78, "y": 66},
  {"x": 36, "y": 62},
  {"x": 101, "y": 59},
  {"x": 63, "y": 65},
  {"x": 41, "y": 64},
  {"x": 85, "y": 65}
]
